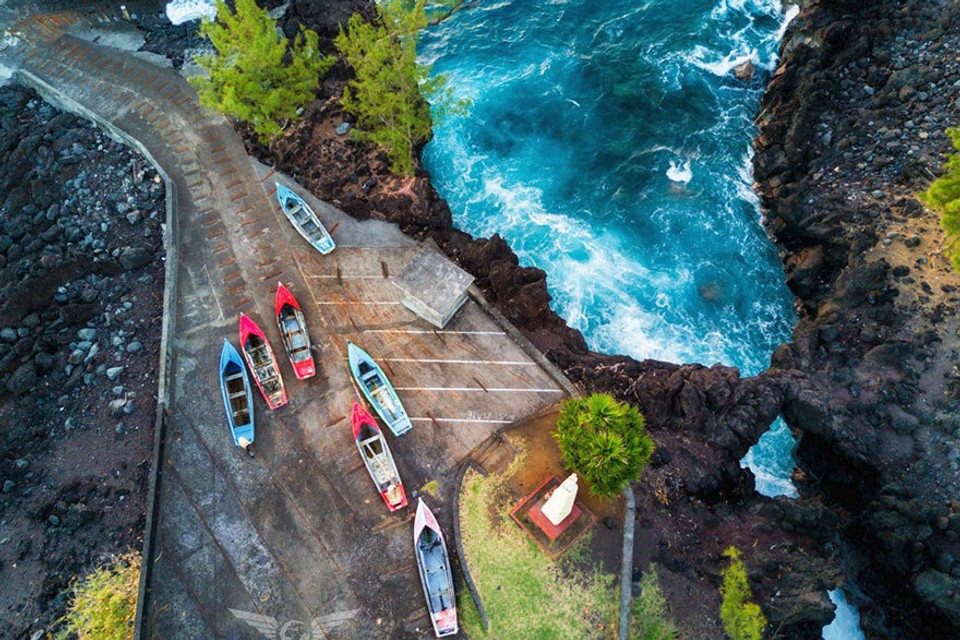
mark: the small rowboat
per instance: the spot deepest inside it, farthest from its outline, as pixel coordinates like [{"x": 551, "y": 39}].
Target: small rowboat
[
  {"x": 305, "y": 221},
  {"x": 378, "y": 391},
  {"x": 237, "y": 397},
  {"x": 293, "y": 330},
  {"x": 435, "y": 576},
  {"x": 262, "y": 363},
  {"x": 377, "y": 458}
]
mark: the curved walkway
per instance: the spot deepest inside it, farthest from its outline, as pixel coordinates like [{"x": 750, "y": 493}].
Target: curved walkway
[{"x": 297, "y": 534}]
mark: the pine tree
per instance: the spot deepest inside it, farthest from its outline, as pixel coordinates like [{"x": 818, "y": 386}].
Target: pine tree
[
  {"x": 741, "y": 618},
  {"x": 604, "y": 441},
  {"x": 944, "y": 195},
  {"x": 255, "y": 75},
  {"x": 391, "y": 93}
]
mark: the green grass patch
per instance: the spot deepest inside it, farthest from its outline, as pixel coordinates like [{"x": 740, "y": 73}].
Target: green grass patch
[
  {"x": 649, "y": 618},
  {"x": 103, "y": 605},
  {"x": 431, "y": 487},
  {"x": 525, "y": 593}
]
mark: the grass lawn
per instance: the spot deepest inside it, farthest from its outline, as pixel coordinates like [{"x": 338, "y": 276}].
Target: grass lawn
[{"x": 525, "y": 593}]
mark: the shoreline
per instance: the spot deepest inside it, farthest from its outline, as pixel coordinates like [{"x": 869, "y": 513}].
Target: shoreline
[{"x": 860, "y": 379}]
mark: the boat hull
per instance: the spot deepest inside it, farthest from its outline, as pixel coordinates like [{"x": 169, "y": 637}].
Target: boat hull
[
  {"x": 436, "y": 578},
  {"x": 376, "y": 388},
  {"x": 237, "y": 395},
  {"x": 262, "y": 363},
  {"x": 377, "y": 458},
  {"x": 293, "y": 332},
  {"x": 304, "y": 220}
]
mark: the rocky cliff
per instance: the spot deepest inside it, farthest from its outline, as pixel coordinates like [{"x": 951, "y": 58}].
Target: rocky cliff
[
  {"x": 695, "y": 499},
  {"x": 851, "y": 131}
]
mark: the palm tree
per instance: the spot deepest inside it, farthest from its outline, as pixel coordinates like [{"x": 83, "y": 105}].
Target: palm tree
[{"x": 604, "y": 441}]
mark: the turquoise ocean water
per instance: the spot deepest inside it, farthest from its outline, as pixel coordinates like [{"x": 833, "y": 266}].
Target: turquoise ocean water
[{"x": 609, "y": 144}]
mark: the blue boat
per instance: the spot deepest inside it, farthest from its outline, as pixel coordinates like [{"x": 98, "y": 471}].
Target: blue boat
[
  {"x": 237, "y": 397},
  {"x": 305, "y": 221},
  {"x": 378, "y": 391}
]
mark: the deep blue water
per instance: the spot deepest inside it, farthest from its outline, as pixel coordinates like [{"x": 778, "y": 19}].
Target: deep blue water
[{"x": 610, "y": 145}]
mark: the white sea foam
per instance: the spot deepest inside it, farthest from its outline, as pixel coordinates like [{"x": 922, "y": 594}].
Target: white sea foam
[
  {"x": 706, "y": 59},
  {"x": 680, "y": 173},
  {"x": 180, "y": 11},
  {"x": 846, "y": 624}
]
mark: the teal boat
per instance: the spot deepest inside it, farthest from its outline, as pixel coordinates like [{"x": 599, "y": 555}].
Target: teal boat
[
  {"x": 378, "y": 391},
  {"x": 237, "y": 397},
  {"x": 306, "y": 222}
]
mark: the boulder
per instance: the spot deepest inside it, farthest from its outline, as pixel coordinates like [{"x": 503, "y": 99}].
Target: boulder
[
  {"x": 22, "y": 379},
  {"x": 744, "y": 71}
]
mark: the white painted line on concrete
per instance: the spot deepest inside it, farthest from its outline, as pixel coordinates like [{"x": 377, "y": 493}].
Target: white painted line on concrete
[
  {"x": 441, "y": 332},
  {"x": 346, "y": 277},
  {"x": 349, "y": 302},
  {"x": 490, "y": 389},
  {"x": 517, "y": 363},
  {"x": 477, "y": 420}
]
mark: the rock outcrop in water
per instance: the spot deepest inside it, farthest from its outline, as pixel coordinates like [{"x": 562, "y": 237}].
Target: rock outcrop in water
[{"x": 851, "y": 129}]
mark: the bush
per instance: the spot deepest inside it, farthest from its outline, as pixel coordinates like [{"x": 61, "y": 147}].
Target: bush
[
  {"x": 944, "y": 196},
  {"x": 255, "y": 76},
  {"x": 391, "y": 93},
  {"x": 741, "y": 618},
  {"x": 604, "y": 441},
  {"x": 649, "y": 619},
  {"x": 103, "y": 606}
]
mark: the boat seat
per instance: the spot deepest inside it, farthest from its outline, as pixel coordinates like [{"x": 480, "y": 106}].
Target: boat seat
[
  {"x": 234, "y": 377},
  {"x": 238, "y": 394}
]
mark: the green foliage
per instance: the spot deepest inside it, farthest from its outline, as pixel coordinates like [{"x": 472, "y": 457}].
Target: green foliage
[
  {"x": 649, "y": 619},
  {"x": 255, "y": 75},
  {"x": 604, "y": 441},
  {"x": 741, "y": 618},
  {"x": 391, "y": 93},
  {"x": 104, "y": 604},
  {"x": 944, "y": 196}
]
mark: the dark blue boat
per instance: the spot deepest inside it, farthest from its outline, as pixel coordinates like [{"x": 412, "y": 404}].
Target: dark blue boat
[{"x": 237, "y": 397}]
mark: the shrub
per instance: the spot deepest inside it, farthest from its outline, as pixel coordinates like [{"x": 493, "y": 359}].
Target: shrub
[
  {"x": 944, "y": 196},
  {"x": 103, "y": 605},
  {"x": 604, "y": 441},
  {"x": 391, "y": 93},
  {"x": 255, "y": 76},
  {"x": 649, "y": 618},
  {"x": 741, "y": 618}
]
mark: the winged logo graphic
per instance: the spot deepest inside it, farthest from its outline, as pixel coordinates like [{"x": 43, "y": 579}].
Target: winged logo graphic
[{"x": 269, "y": 627}]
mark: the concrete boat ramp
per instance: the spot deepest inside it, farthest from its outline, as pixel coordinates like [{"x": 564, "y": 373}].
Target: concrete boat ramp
[{"x": 296, "y": 539}]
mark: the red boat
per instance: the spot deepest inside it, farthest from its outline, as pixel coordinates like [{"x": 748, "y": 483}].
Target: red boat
[
  {"x": 293, "y": 330},
  {"x": 376, "y": 456},
  {"x": 263, "y": 364}
]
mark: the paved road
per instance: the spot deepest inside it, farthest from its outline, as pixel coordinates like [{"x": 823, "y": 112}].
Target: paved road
[{"x": 297, "y": 533}]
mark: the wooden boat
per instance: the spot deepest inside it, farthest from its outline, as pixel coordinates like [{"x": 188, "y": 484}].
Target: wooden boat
[
  {"x": 378, "y": 391},
  {"x": 293, "y": 330},
  {"x": 237, "y": 397},
  {"x": 435, "y": 576},
  {"x": 305, "y": 221},
  {"x": 377, "y": 458},
  {"x": 262, "y": 363}
]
